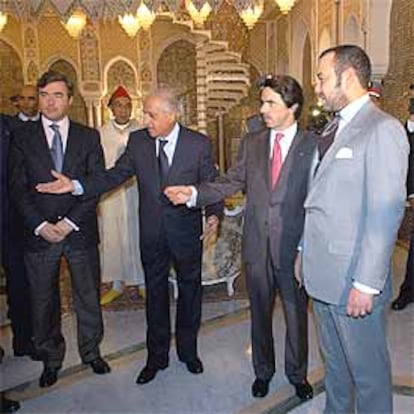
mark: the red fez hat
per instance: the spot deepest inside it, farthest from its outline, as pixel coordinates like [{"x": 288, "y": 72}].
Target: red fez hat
[
  {"x": 120, "y": 92},
  {"x": 375, "y": 90}
]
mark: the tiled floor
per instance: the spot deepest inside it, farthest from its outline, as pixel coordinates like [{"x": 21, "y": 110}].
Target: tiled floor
[{"x": 223, "y": 388}]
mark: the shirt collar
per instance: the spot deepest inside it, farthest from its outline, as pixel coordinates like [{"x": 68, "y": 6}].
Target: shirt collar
[
  {"x": 290, "y": 131},
  {"x": 61, "y": 123},
  {"x": 172, "y": 137},
  {"x": 23, "y": 117},
  {"x": 119, "y": 126},
  {"x": 350, "y": 110}
]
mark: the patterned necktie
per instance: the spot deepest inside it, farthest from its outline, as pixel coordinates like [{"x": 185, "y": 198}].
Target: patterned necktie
[
  {"x": 57, "y": 148},
  {"x": 163, "y": 165},
  {"x": 327, "y": 137},
  {"x": 276, "y": 164}
]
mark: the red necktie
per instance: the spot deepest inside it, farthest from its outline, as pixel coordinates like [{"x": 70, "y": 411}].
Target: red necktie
[{"x": 276, "y": 165}]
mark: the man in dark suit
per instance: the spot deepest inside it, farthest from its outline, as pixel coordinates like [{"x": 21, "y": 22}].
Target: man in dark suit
[
  {"x": 165, "y": 153},
  {"x": 18, "y": 295},
  {"x": 406, "y": 294},
  {"x": 57, "y": 226},
  {"x": 272, "y": 169},
  {"x": 6, "y": 405}
]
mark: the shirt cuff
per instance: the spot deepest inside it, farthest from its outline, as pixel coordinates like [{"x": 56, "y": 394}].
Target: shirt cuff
[
  {"x": 410, "y": 125},
  {"x": 71, "y": 224},
  {"x": 78, "y": 191},
  {"x": 192, "y": 202},
  {"x": 365, "y": 289},
  {"x": 39, "y": 227}
]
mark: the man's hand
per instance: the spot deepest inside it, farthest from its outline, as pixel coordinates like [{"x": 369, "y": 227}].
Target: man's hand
[
  {"x": 51, "y": 233},
  {"x": 61, "y": 185},
  {"x": 178, "y": 194},
  {"x": 64, "y": 227},
  {"x": 359, "y": 303},
  {"x": 210, "y": 229},
  {"x": 298, "y": 269},
  {"x": 411, "y": 201}
]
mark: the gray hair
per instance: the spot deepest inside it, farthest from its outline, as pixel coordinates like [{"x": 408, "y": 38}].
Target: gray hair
[{"x": 170, "y": 99}]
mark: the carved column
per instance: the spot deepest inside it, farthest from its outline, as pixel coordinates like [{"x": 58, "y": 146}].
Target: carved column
[
  {"x": 31, "y": 54},
  {"x": 201, "y": 87}
]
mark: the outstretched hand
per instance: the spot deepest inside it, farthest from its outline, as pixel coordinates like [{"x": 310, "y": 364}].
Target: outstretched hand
[
  {"x": 61, "y": 185},
  {"x": 178, "y": 194}
]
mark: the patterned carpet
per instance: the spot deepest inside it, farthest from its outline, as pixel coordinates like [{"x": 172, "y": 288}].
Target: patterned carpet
[{"x": 211, "y": 293}]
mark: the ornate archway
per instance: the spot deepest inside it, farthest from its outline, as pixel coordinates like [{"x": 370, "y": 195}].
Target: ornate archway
[{"x": 11, "y": 76}]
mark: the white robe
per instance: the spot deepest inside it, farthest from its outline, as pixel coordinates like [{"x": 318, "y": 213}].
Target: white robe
[{"x": 118, "y": 216}]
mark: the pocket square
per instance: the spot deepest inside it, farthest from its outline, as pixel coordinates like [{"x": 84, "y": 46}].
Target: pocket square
[{"x": 344, "y": 153}]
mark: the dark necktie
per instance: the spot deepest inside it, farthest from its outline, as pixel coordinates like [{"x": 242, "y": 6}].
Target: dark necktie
[
  {"x": 57, "y": 148},
  {"x": 327, "y": 137},
  {"x": 163, "y": 165},
  {"x": 276, "y": 164}
]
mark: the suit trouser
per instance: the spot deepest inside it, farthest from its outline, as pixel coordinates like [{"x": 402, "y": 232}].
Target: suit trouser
[
  {"x": 357, "y": 364},
  {"x": 18, "y": 296},
  {"x": 43, "y": 274},
  {"x": 407, "y": 287},
  {"x": 263, "y": 280},
  {"x": 188, "y": 318}
]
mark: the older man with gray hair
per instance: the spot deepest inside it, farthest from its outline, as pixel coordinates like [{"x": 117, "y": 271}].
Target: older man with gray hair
[{"x": 164, "y": 153}]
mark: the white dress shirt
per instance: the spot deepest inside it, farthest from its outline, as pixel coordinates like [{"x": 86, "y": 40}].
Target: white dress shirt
[{"x": 169, "y": 147}]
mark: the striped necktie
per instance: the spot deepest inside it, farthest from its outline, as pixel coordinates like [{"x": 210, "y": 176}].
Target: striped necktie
[{"x": 57, "y": 148}]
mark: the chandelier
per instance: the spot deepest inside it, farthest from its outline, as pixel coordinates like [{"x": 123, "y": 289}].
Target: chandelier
[
  {"x": 129, "y": 23},
  {"x": 3, "y": 20},
  {"x": 198, "y": 14},
  {"x": 76, "y": 23},
  {"x": 145, "y": 16},
  {"x": 285, "y": 5},
  {"x": 249, "y": 11}
]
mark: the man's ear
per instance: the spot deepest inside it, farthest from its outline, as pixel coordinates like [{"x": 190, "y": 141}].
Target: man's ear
[{"x": 294, "y": 108}]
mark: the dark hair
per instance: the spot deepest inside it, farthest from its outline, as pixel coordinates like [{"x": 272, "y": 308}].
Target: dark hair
[
  {"x": 351, "y": 56},
  {"x": 287, "y": 87},
  {"x": 52, "y": 76}
]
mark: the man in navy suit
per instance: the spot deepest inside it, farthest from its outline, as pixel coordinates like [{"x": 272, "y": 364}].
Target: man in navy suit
[
  {"x": 18, "y": 295},
  {"x": 6, "y": 405},
  {"x": 164, "y": 153},
  {"x": 57, "y": 226}
]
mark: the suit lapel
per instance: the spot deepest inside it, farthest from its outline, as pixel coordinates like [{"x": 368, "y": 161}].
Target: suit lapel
[
  {"x": 73, "y": 146},
  {"x": 180, "y": 155},
  {"x": 262, "y": 147},
  {"x": 41, "y": 147},
  {"x": 347, "y": 134}
]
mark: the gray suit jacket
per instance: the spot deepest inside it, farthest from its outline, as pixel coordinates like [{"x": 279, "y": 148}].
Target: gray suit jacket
[
  {"x": 272, "y": 216},
  {"x": 354, "y": 207}
]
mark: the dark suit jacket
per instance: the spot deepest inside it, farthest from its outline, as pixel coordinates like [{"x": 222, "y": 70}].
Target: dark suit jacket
[
  {"x": 410, "y": 175},
  {"x": 192, "y": 163},
  {"x": 4, "y": 145},
  {"x": 274, "y": 216},
  {"x": 31, "y": 162}
]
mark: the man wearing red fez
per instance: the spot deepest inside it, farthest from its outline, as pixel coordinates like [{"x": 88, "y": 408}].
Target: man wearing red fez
[{"x": 120, "y": 251}]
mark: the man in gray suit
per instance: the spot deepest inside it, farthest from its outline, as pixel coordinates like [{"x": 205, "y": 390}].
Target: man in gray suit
[
  {"x": 353, "y": 210},
  {"x": 272, "y": 169}
]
